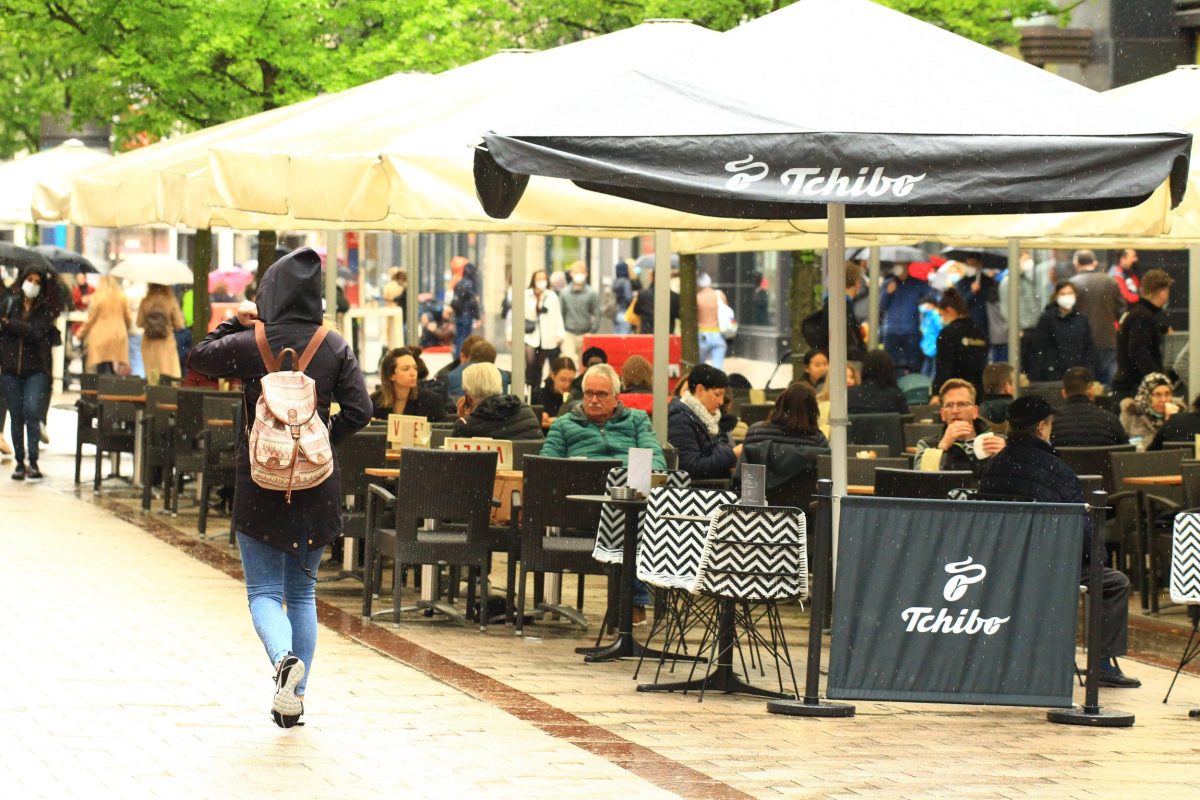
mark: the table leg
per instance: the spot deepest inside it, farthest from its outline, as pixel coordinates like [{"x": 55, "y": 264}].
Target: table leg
[{"x": 722, "y": 678}]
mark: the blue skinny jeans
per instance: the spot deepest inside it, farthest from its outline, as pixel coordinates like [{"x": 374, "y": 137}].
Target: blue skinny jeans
[
  {"x": 274, "y": 579},
  {"x": 25, "y": 395}
]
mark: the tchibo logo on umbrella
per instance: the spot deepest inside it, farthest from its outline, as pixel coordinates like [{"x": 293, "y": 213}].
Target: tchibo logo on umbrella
[
  {"x": 811, "y": 182},
  {"x": 923, "y": 619}
]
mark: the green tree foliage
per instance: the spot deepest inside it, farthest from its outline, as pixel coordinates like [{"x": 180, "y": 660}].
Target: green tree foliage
[{"x": 151, "y": 67}]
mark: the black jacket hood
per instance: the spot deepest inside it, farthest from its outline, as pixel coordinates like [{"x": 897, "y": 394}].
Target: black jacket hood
[
  {"x": 498, "y": 407},
  {"x": 291, "y": 289}
]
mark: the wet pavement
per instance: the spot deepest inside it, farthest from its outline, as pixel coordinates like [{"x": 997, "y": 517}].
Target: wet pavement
[{"x": 133, "y": 669}]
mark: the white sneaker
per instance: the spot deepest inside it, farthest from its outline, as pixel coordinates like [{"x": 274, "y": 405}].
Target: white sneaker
[{"x": 286, "y": 708}]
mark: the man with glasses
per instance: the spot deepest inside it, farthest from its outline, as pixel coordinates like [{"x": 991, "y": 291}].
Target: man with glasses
[
  {"x": 600, "y": 426},
  {"x": 962, "y": 426}
]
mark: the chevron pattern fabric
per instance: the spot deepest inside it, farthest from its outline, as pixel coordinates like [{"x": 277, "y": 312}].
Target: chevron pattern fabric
[
  {"x": 1185, "y": 560},
  {"x": 610, "y": 536},
  {"x": 755, "y": 553},
  {"x": 669, "y": 550}
]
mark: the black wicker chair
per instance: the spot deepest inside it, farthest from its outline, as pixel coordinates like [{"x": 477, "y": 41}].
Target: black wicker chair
[
  {"x": 914, "y": 483},
  {"x": 547, "y": 481},
  {"x": 217, "y": 454},
  {"x": 85, "y": 422},
  {"x": 116, "y": 420},
  {"x": 158, "y": 430}
]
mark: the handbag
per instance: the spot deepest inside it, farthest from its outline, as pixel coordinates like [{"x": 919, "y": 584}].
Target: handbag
[
  {"x": 530, "y": 325},
  {"x": 726, "y": 320},
  {"x": 631, "y": 316}
]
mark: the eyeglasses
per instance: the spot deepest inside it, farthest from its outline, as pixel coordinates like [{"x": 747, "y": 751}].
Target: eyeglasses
[
  {"x": 601, "y": 396},
  {"x": 953, "y": 406}
]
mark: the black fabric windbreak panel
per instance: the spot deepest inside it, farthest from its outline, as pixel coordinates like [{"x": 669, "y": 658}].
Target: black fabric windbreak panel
[
  {"x": 795, "y": 175},
  {"x": 956, "y": 602}
]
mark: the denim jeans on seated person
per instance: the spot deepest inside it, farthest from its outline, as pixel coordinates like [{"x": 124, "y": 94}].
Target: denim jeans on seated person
[
  {"x": 274, "y": 578},
  {"x": 641, "y": 594},
  {"x": 25, "y": 395}
]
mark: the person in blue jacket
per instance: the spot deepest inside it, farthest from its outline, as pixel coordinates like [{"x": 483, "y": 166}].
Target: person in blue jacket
[{"x": 900, "y": 303}]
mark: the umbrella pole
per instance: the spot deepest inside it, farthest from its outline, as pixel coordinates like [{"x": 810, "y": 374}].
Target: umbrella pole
[
  {"x": 836, "y": 380},
  {"x": 873, "y": 298},
  {"x": 1193, "y": 376},
  {"x": 662, "y": 329},
  {"x": 331, "y": 261},
  {"x": 412, "y": 302},
  {"x": 519, "y": 266},
  {"x": 1013, "y": 301}
]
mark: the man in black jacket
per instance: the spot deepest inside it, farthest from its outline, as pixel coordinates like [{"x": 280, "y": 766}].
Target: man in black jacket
[
  {"x": 1031, "y": 468},
  {"x": 1081, "y": 423},
  {"x": 693, "y": 426},
  {"x": 1140, "y": 337},
  {"x": 962, "y": 425}
]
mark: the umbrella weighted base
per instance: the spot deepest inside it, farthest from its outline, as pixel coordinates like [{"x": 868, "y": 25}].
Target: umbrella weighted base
[
  {"x": 1100, "y": 718},
  {"x": 803, "y": 708}
]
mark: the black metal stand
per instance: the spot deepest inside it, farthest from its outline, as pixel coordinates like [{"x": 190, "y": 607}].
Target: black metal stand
[
  {"x": 1190, "y": 651},
  {"x": 625, "y": 646},
  {"x": 1091, "y": 714},
  {"x": 821, "y": 546}
]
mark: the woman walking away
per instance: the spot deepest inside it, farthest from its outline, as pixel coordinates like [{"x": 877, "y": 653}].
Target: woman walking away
[
  {"x": 27, "y": 331},
  {"x": 107, "y": 329},
  {"x": 159, "y": 317},
  {"x": 282, "y": 535}
]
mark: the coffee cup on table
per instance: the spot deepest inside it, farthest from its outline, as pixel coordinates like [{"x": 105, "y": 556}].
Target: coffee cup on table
[{"x": 978, "y": 445}]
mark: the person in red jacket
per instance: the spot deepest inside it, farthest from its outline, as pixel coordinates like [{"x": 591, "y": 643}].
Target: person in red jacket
[{"x": 1124, "y": 272}]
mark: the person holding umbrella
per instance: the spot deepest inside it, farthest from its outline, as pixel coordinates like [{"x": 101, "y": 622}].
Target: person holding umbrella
[{"x": 27, "y": 333}]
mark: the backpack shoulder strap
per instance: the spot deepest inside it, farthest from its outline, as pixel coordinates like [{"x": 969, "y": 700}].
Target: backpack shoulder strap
[
  {"x": 264, "y": 349},
  {"x": 311, "y": 350}
]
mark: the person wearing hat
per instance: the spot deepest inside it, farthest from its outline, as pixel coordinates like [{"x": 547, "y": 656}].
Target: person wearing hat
[
  {"x": 694, "y": 425},
  {"x": 1030, "y": 467}
]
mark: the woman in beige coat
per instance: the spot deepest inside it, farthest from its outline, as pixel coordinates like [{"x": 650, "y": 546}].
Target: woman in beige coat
[
  {"x": 159, "y": 317},
  {"x": 107, "y": 328}
]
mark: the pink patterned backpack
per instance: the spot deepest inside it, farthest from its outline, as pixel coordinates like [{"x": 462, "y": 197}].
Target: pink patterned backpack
[{"x": 289, "y": 444}]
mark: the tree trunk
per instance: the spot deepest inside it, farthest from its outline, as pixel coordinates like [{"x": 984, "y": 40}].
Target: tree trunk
[
  {"x": 805, "y": 285},
  {"x": 201, "y": 259},
  {"x": 266, "y": 252},
  {"x": 689, "y": 332}
]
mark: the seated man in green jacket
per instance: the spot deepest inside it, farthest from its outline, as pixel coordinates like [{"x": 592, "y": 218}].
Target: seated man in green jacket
[{"x": 600, "y": 427}]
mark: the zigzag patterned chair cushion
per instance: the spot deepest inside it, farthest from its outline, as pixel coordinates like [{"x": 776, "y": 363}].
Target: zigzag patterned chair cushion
[
  {"x": 1185, "y": 560},
  {"x": 669, "y": 550},
  {"x": 610, "y": 536},
  {"x": 755, "y": 553}
]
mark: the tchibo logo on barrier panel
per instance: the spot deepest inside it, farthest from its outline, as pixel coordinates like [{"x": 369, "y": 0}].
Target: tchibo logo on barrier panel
[{"x": 923, "y": 619}]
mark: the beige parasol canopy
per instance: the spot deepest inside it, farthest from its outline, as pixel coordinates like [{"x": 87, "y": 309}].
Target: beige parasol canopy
[
  {"x": 54, "y": 168},
  {"x": 167, "y": 182}
]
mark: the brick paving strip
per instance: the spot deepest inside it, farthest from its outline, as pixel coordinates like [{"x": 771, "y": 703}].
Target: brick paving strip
[{"x": 639, "y": 760}]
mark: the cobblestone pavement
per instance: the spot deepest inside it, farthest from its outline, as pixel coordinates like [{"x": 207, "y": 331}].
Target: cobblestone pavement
[{"x": 133, "y": 669}]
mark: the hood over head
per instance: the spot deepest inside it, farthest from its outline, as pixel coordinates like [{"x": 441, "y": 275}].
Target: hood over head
[
  {"x": 291, "y": 289},
  {"x": 51, "y": 292}
]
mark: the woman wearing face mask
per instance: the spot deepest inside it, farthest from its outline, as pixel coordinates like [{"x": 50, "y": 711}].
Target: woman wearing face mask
[
  {"x": 962, "y": 348},
  {"x": 712, "y": 343},
  {"x": 1062, "y": 339},
  {"x": 27, "y": 331},
  {"x": 544, "y": 330}
]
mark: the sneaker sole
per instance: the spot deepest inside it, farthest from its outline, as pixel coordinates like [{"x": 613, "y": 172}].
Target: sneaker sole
[
  {"x": 286, "y": 707},
  {"x": 33, "y": 478}
]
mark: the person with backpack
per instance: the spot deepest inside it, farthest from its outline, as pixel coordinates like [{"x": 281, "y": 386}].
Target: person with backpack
[
  {"x": 287, "y": 507},
  {"x": 815, "y": 327},
  {"x": 159, "y": 316}
]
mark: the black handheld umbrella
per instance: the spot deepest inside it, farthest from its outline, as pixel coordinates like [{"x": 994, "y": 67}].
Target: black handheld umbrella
[
  {"x": 16, "y": 257},
  {"x": 66, "y": 261},
  {"x": 893, "y": 254},
  {"x": 989, "y": 257}
]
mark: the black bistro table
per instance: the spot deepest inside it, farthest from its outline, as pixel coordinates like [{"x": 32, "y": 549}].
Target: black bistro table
[{"x": 625, "y": 646}]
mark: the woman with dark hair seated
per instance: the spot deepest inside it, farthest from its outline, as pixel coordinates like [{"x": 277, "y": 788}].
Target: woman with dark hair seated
[
  {"x": 793, "y": 420},
  {"x": 816, "y": 367},
  {"x": 878, "y": 392},
  {"x": 400, "y": 391},
  {"x": 556, "y": 391}
]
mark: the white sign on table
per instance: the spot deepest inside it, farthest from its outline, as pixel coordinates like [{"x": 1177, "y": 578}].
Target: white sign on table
[
  {"x": 406, "y": 430},
  {"x": 641, "y": 464},
  {"x": 502, "y": 448}
]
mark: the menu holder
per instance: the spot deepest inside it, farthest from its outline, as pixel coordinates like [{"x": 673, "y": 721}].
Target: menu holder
[
  {"x": 406, "y": 430},
  {"x": 501, "y": 447},
  {"x": 641, "y": 464},
  {"x": 931, "y": 460},
  {"x": 754, "y": 485}
]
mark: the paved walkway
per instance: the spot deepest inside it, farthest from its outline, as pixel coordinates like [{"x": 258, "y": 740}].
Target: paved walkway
[{"x": 133, "y": 669}]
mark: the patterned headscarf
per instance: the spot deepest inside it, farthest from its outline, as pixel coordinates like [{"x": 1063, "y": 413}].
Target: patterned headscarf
[{"x": 1151, "y": 382}]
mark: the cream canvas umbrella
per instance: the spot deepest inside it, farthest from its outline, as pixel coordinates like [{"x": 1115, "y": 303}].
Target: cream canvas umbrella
[
  {"x": 166, "y": 183},
  {"x": 53, "y": 168},
  {"x": 153, "y": 268}
]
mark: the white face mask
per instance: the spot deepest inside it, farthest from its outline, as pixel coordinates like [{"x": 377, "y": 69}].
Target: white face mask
[
  {"x": 578, "y": 278},
  {"x": 704, "y": 281},
  {"x": 31, "y": 289},
  {"x": 1066, "y": 301},
  {"x": 970, "y": 272},
  {"x": 1027, "y": 266},
  {"x": 899, "y": 272},
  {"x": 540, "y": 285}
]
